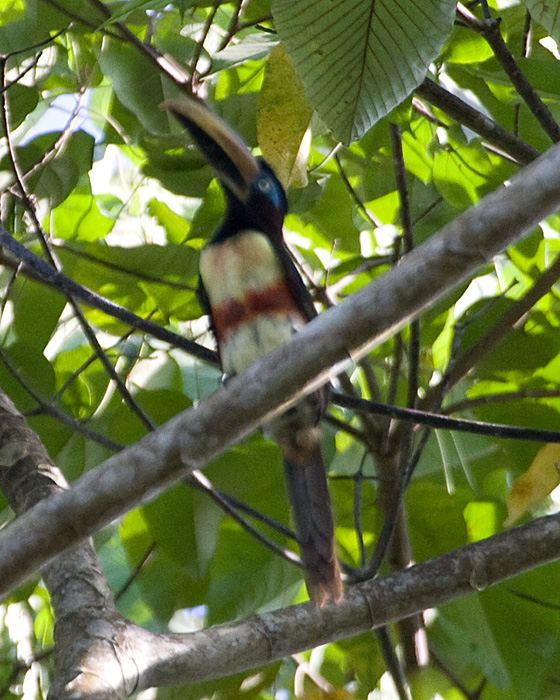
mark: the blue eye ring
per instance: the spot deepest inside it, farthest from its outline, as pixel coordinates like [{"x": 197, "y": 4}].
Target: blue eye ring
[{"x": 264, "y": 185}]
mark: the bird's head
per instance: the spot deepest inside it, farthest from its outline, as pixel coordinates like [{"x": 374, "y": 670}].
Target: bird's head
[{"x": 254, "y": 192}]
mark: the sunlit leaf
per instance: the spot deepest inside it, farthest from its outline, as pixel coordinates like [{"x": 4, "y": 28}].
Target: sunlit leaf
[{"x": 482, "y": 518}]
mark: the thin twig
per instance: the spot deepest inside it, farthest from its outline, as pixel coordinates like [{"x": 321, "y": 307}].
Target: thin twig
[
  {"x": 50, "y": 409},
  {"x": 199, "y": 480},
  {"x": 393, "y": 664},
  {"x": 408, "y": 239},
  {"x": 42, "y": 271},
  {"x": 109, "y": 265},
  {"x": 370, "y": 216},
  {"x": 462, "y": 366},
  {"x": 469, "y": 695},
  {"x": 437, "y": 420},
  {"x": 61, "y": 141},
  {"x": 357, "y": 509},
  {"x": 136, "y": 571},
  {"x": 81, "y": 20},
  {"x": 165, "y": 63},
  {"x": 505, "y": 397},
  {"x": 489, "y": 28},
  {"x": 200, "y": 44},
  {"x": 22, "y": 74},
  {"x": 53, "y": 259},
  {"x": 345, "y": 427}
]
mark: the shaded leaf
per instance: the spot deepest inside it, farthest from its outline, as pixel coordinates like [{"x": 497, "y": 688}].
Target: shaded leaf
[
  {"x": 22, "y": 101},
  {"x": 547, "y": 13},
  {"x": 250, "y": 48},
  {"x": 136, "y": 82}
]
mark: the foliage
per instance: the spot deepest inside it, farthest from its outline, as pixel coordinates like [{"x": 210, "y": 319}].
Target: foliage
[{"x": 125, "y": 204}]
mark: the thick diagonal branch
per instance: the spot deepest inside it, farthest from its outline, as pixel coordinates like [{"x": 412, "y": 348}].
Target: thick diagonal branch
[{"x": 342, "y": 333}]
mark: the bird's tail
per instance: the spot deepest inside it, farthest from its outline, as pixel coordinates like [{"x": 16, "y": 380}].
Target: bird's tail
[{"x": 313, "y": 516}]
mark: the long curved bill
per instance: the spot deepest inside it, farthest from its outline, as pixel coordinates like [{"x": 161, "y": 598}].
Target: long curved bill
[{"x": 224, "y": 150}]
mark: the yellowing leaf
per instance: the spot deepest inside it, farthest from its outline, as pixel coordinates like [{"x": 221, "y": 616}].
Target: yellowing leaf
[
  {"x": 529, "y": 489},
  {"x": 315, "y": 693},
  {"x": 283, "y": 117}
]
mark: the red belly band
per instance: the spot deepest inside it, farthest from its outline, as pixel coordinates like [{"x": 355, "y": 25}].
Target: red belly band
[{"x": 230, "y": 314}]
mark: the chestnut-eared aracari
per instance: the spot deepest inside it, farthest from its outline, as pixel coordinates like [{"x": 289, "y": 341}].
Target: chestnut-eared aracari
[{"x": 256, "y": 300}]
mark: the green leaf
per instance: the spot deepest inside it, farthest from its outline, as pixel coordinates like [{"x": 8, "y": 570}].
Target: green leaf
[
  {"x": 79, "y": 217},
  {"x": 547, "y": 13},
  {"x": 22, "y": 101},
  {"x": 36, "y": 314},
  {"x": 358, "y": 60},
  {"x": 176, "y": 227},
  {"x": 417, "y": 157},
  {"x": 332, "y": 218},
  {"x": 459, "y": 173},
  {"x": 54, "y": 178},
  {"x": 441, "y": 528},
  {"x": 465, "y": 46},
  {"x": 471, "y": 636},
  {"x": 241, "y": 686},
  {"x": 22, "y": 24},
  {"x": 185, "y": 523},
  {"x": 136, "y": 82},
  {"x": 250, "y": 48},
  {"x": 529, "y": 657},
  {"x": 83, "y": 392},
  {"x": 164, "y": 583},
  {"x": 151, "y": 280},
  {"x": 364, "y": 660},
  {"x": 246, "y": 576},
  {"x": 180, "y": 168},
  {"x": 123, "y": 10},
  {"x": 483, "y": 520}
]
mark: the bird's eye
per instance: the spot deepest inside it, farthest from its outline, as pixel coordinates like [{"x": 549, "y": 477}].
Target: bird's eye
[{"x": 264, "y": 186}]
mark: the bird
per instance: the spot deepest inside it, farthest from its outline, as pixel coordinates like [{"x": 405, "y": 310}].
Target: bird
[{"x": 256, "y": 300}]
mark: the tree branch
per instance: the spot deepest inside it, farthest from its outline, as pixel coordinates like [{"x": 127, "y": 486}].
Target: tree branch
[
  {"x": 227, "y": 649},
  {"x": 40, "y": 270},
  {"x": 342, "y": 333},
  {"x": 79, "y": 592},
  {"x": 470, "y": 117},
  {"x": 489, "y": 28}
]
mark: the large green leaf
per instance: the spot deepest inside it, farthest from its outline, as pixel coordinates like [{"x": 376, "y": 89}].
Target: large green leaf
[
  {"x": 359, "y": 59},
  {"x": 184, "y": 523},
  {"x": 164, "y": 583},
  {"x": 149, "y": 280}
]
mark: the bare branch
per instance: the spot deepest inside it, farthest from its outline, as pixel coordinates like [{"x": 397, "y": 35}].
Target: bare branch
[
  {"x": 490, "y": 30},
  {"x": 148, "y": 660},
  {"x": 476, "y": 121}
]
